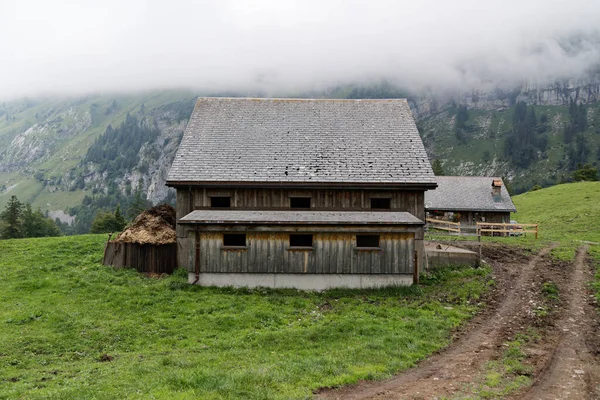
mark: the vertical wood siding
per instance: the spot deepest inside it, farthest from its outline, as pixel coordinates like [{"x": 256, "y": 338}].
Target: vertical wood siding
[
  {"x": 143, "y": 257},
  {"x": 267, "y": 252},
  {"x": 333, "y": 253}
]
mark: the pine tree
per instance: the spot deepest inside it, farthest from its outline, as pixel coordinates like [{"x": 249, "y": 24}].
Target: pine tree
[
  {"x": 137, "y": 205},
  {"x": 11, "y": 218},
  {"x": 438, "y": 170},
  {"x": 119, "y": 219},
  {"x": 37, "y": 224}
]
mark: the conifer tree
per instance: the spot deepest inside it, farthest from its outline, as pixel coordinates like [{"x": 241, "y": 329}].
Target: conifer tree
[
  {"x": 438, "y": 170},
  {"x": 11, "y": 217}
]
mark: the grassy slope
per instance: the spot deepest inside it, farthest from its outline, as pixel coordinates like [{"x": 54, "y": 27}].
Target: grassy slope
[
  {"x": 63, "y": 313},
  {"x": 568, "y": 213}
]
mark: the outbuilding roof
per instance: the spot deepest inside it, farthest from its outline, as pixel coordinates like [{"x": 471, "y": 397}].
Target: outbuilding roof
[
  {"x": 277, "y": 217},
  {"x": 301, "y": 141},
  {"x": 468, "y": 193}
]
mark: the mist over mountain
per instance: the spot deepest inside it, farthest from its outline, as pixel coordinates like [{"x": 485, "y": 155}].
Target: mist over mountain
[
  {"x": 278, "y": 48},
  {"x": 94, "y": 97}
]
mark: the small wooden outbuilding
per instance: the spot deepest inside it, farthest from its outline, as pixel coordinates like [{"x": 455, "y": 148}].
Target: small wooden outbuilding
[
  {"x": 148, "y": 244},
  {"x": 470, "y": 199},
  {"x": 301, "y": 193}
]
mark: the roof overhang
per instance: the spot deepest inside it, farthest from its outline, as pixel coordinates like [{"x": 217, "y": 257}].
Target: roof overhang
[
  {"x": 277, "y": 217},
  {"x": 306, "y": 185},
  {"x": 458, "y": 209}
]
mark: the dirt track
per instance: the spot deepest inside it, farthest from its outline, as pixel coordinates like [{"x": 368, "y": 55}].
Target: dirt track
[
  {"x": 573, "y": 371},
  {"x": 564, "y": 361}
]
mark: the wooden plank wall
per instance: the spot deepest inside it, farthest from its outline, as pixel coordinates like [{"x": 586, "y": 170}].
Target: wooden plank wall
[
  {"x": 333, "y": 253},
  {"x": 189, "y": 199},
  {"x": 468, "y": 217},
  {"x": 144, "y": 258}
]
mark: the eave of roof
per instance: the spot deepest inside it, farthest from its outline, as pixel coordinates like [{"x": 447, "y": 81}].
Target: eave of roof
[
  {"x": 459, "y": 209},
  {"x": 278, "y": 217},
  {"x": 307, "y": 185}
]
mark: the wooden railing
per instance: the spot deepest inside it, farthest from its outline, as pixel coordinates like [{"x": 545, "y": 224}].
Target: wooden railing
[
  {"x": 514, "y": 229},
  {"x": 444, "y": 225}
]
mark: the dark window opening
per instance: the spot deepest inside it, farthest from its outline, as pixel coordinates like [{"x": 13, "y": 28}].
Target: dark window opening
[
  {"x": 234, "y": 240},
  {"x": 220, "y": 202},
  {"x": 299, "y": 202},
  {"x": 381, "y": 203},
  {"x": 301, "y": 240},
  {"x": 367, "y": 241}
]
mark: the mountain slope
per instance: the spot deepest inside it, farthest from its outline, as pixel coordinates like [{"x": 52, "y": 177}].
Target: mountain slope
[
  {"x": 483, "y": 146},
  {"x": 78, "y": 155}
]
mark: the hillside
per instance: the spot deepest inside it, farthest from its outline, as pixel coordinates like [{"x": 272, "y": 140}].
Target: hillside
[
  {"x": 71, "y": 328},
  {"x": 567, "y": 213},
  {"x": 74, "y": 156},
  {"x": 490, "y": 144}
]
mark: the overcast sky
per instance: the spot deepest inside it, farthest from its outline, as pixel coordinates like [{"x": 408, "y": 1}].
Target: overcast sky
[{"x": 58, "y": 46}]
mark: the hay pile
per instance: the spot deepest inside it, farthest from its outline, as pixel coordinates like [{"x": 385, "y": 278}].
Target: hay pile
[{"x": 154, "y": 226}]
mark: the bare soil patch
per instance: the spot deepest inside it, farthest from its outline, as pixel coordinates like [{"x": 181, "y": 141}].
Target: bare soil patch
[{"x": 564, "y": 328}]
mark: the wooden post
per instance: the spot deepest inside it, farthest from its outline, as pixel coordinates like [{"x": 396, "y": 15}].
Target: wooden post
[
  {"x": 106, "y": 246},
  {"x": 479, "y": 240},
  {"x": 416, "y": 269}
]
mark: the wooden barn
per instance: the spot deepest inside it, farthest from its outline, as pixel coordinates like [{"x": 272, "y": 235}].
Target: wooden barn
[
  {"x": 301, "y": 193},
  {"x": 470, "y": 199}
]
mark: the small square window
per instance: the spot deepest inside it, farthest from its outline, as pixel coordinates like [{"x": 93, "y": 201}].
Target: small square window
[
  {"x": 301, "y": 240},
  {"x": 234, "y": 240},
  {"x": 379, "y": 203},
  {"x": 299, "y": 202},
  {"x": 220, "y": 202},
  {"x": 367, "y": 241}
]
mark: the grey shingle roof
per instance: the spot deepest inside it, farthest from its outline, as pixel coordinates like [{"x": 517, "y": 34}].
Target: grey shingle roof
[
  {"x": 241, "y": 140},
  {"x": 467, "y": 193},
  {"x": 251, "y": 217}
]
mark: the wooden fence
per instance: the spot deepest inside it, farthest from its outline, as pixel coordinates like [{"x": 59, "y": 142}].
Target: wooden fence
[
  {"x": 158, "y": 259},
  {"x": 506, "y": 229},
  {"x": 444, "y": 225}
]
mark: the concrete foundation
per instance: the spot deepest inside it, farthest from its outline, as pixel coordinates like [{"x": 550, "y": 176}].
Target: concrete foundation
[
  {"x": 439, "y": 255},
  {"x": 302, "y": 281}
]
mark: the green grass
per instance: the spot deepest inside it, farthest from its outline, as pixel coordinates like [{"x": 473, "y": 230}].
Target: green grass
[
  {"x": 72, "y": 328},
  {"x": 568, "y": 214},
  {"x": 595, "y": 285}
]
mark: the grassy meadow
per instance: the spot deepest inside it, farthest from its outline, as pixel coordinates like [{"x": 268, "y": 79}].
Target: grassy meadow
[
  {"x": 568, "y": 214},
  {"x": 73, "y": 328}
]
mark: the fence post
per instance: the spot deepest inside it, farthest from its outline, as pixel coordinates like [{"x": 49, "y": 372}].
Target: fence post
[
  {"x": 479, "y": 240},
  {"x": 416, "y": 270}
]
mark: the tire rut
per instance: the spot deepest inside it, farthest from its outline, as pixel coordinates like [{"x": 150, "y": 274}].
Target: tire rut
[{"x": 572, "y": 372}]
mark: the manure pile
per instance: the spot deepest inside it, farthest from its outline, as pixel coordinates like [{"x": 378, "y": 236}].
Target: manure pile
[{"x": 154, "y": 226}]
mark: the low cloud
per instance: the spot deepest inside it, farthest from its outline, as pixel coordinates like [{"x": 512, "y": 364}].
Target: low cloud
[{"x": 70, "y": 47}]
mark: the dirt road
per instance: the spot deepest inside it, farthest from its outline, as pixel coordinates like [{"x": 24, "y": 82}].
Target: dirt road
[
  {"x": 561, "y": 362},
  {"x": 573, "y": 372}
]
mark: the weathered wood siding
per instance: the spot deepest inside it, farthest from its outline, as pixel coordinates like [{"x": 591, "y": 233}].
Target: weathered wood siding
[
  {"x": 332, "y": 253},
  {"x": 194, "y": 198},
  {"x": 143, "y": 257},
  {"x": 471, "y": 217}
]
